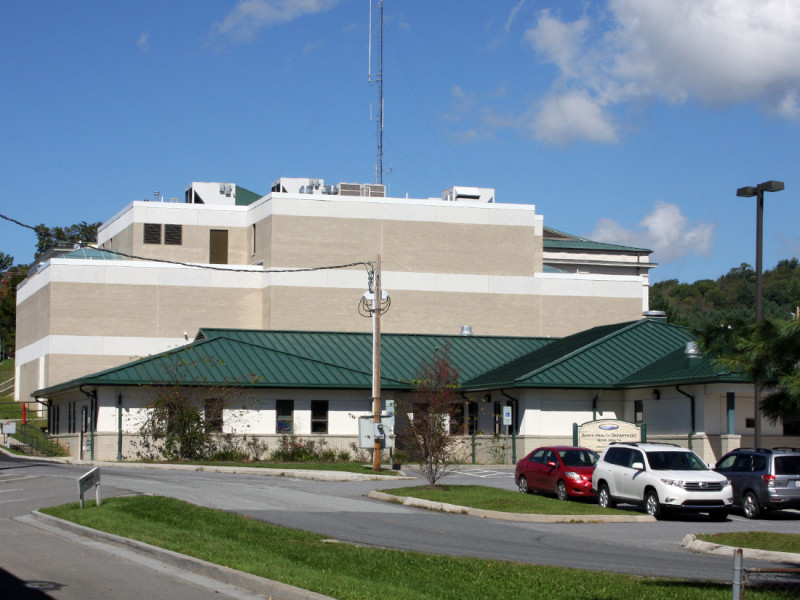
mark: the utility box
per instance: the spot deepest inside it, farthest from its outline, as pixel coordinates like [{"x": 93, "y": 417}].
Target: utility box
[{"x": 369, "y": 431}]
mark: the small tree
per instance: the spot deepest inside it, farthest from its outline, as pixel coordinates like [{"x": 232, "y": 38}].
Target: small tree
[
  {"x": 769, "y": 353},
  {"x": 177, "y": 425},
  {"x": 426, "y": 436}
]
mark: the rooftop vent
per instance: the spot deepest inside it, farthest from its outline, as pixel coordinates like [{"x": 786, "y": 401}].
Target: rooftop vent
[{"x": 466, "y": 330}]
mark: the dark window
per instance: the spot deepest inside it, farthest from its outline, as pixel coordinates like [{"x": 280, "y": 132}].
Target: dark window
[
  {"x": 787, "y": 465},
  {"x": 173, "y": 235},
  {"x": 636, "y": 456},
  {"x": 638, "y": 411},
  {"x": 55, "y": 417},
  {"x": 537, "y": 456},
  {"x": 212, "y": 413},
  {"x": 750, "y": 423},
  {"x": 152, "y": 233},
  {"x": 284, "y": 416},
  {"x": 319, "y": 416},
  {"x": 71, "y": 417},
  {"x": 550, "y": 457}
]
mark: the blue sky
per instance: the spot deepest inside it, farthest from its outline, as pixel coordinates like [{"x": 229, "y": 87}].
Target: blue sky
[{"x": 628, "y": 121}]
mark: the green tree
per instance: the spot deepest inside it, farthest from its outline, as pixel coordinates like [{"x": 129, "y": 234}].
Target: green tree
[
  {"x": 767, "y": 352},
  {"x": 47, "y": 237},
  {"x": 426, "y": 437},
  {"x": 10, "y": 277}
]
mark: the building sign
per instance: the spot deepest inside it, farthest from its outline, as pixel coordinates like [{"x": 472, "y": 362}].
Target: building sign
[{"x": 596, "y": 435}]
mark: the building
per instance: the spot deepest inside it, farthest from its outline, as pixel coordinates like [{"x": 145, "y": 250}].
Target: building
[
  {"x": 227, "y": 257},
  {"x": 317, "y": 383}
]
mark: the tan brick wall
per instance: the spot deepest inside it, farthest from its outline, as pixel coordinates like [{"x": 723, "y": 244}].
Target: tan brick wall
[{"x": 33, "y": 318}]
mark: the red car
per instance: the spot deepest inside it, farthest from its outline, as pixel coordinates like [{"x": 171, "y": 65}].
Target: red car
[{"x": 565, "y": 471}]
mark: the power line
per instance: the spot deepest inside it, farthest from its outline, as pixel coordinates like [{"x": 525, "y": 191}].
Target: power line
[{"x": 367, "y": 264}]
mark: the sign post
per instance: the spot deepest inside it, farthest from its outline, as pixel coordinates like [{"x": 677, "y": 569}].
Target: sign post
[{"x": 86, "y": 482}]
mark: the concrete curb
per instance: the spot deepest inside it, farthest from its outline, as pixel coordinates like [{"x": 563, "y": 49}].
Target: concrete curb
[
  {"x": 259, "y": 585},
  {"x": 296, "y": 473},
  {"x": 505, "y": 516},
  {"x": 691, "y": 542}
]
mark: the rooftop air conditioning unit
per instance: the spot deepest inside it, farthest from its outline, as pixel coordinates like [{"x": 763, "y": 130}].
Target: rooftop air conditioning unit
[
  {"x": 375, "y": 190},
  {"x": 349, "y": 189}
]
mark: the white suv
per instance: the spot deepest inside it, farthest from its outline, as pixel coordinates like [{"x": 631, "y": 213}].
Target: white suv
[{"x": 660, "y": 477}]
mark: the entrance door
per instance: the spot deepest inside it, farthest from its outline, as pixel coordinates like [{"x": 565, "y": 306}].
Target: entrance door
[{"x": 218, "y": 247}]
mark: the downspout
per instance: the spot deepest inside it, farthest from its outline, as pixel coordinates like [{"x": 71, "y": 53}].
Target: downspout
[
  {"x": 514, "y": 424},
  {"x": 92, "y": 404},
  {"x": 594, "y": 404},
  {"x": 119, "y": 425},
  {"x": 691, "y": 400}
]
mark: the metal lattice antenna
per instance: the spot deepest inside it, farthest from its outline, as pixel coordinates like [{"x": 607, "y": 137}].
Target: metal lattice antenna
[{"x": 377, "y": 78}]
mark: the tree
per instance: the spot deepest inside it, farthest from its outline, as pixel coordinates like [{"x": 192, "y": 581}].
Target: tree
[
  {"x": 79, "y": 232},
  {"x": 10, "y": 277},
  {"x": 767, "y": 352},
  {"x": 426, "y": 437}
]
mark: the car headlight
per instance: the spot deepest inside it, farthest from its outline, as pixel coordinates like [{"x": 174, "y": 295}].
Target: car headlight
[
  {"x": 572, "y": 475},
  {"x": 672, "y": 482}
]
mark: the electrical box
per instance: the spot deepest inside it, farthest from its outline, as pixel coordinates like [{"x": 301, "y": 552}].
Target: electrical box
[{"x": 369, "y": 431}]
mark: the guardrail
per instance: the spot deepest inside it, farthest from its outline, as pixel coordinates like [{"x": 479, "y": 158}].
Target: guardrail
[
  {"x": 755, "y": 579},
  {"x": 32, "y": 440},
  {"x": 6, "y": 386}
]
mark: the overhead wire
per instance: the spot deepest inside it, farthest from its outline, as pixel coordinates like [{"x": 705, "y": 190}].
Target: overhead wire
[{"x": 367, "y": 264}]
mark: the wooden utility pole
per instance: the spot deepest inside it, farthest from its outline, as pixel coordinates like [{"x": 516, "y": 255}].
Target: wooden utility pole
[{"x": 376, "y": 364}]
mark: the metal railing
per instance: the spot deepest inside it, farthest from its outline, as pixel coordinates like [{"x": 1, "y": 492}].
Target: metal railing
[
  {"x": 6, "y": 386},
  {"x": 756, "y": 579},
  {"x": 32, "y": 440}
]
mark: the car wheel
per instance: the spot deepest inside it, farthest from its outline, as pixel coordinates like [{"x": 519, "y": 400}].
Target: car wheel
[
  {"x": 604, "y": 498},
  {"x": 750, "y": 506},
  {"x": 651, "y": 504},
  {"x": 561, "y": 490},
  {"x": 718, "y": 515},
  {"x": 523, "y": 485}
]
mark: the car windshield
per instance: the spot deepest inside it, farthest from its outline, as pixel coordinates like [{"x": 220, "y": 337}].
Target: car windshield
[
  {"x": 675, "y": 461},
  {"x": 578, "y": 458}
]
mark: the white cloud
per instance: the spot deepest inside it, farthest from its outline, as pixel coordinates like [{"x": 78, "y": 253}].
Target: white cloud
[
  {"x": 144, "y": 42},
  {"x": 249, "y": 16},
  {"x": 564, "y": 118},
  {"x": 665, "y": 231},
  {"x": 719, "y": 52}
]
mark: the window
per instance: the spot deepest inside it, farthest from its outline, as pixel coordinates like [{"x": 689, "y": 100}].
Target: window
[
  {"x": 319, "y": 416},
  {"x": 638, "y": 411},
  {"x": 71, "y": 417},
  {"x": 55, "y": 417},
  {"x": 457, "y": 419},
  {"x": 212, "y": 413},
  {"x": 284, "y": 416},
  {"x": 173, "y": 235},
  {"x": 152, "y": 233}
]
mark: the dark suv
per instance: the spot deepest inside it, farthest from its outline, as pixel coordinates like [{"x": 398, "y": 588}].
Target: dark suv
[{"x": 763, "y": 479}]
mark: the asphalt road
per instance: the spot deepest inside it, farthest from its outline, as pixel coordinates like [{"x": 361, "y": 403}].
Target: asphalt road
[{"x": 340, "y": 510}]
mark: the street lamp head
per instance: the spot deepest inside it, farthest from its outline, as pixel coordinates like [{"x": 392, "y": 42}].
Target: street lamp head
[
  {"x": 771, "y": 186},
  {"x": 746, "y": 192}
]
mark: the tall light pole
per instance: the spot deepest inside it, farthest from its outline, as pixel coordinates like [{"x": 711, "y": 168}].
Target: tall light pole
[{"x": 758, "y": 192}]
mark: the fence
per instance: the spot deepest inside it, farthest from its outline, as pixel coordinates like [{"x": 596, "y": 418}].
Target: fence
[{"x": 745, "y": 579}]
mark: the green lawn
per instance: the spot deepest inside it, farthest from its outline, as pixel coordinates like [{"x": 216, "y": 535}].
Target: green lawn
[
  {"x": 490, "y": 498},
  {"x": 762, "y": 540},
  {"x": 357, "y": 573}
]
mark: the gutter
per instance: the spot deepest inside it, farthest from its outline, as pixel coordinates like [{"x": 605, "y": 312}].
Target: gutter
[{"x": 92, "y": 417}]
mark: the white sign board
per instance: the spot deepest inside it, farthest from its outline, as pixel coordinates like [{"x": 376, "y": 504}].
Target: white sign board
[
  {"x": 88, "y": 481},
  {"x": 9, "y": 427},
  {"x": 506, "y": 415},
  {"x": 596, "y": 435}
]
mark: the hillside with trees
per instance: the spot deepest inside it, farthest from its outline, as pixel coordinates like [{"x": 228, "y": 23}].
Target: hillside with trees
[{"x": 731, "y": 297}]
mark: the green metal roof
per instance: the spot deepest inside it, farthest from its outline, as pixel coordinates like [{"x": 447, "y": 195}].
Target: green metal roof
[
  {"x": 590, "y": 245},
  {"x": 625, "y": 355},
  {"x": 296, "y": 359},
  {"x": 245, "y": 197}
]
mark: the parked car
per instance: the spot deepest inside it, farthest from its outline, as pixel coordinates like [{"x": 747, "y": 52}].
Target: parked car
[
  {"x": 565, "y": 471},
  {"x": 763, "y": 479},
  {"x": 660, "y": 477}
]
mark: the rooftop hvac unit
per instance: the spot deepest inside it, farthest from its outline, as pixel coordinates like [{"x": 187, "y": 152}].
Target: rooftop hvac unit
[
  {"x": 349, "y": 189},
  {"x": 375, "y": 190}
]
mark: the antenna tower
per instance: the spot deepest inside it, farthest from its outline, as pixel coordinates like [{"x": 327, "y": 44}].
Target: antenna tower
[{"x": 376, "y": 77}]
